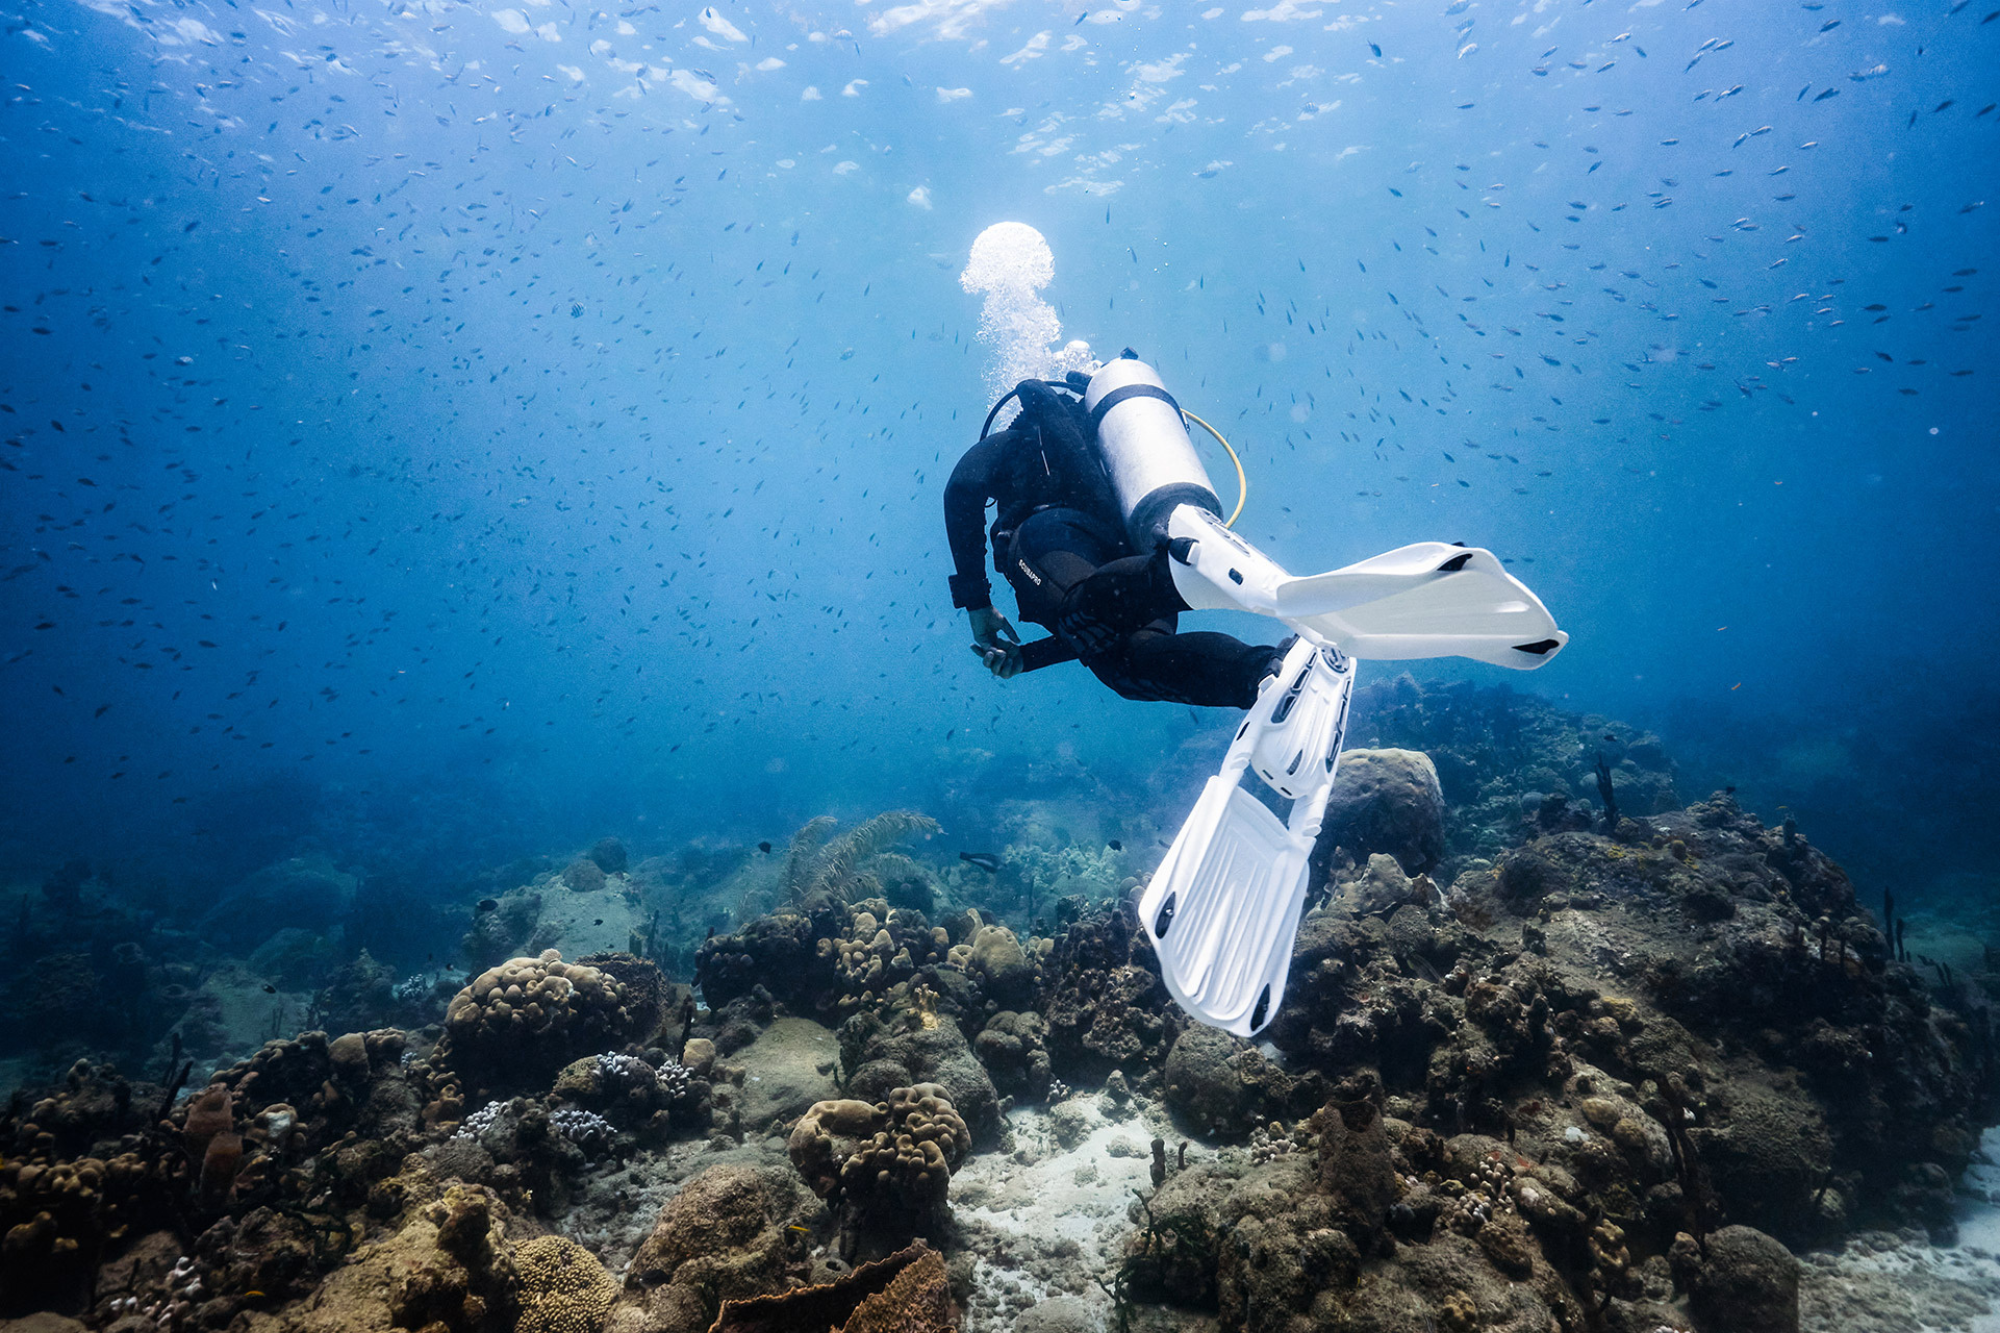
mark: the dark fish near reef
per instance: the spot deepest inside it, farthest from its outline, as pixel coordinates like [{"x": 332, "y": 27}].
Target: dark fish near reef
[
  {"x": 986, "y": 861},
  {"x": 1115, "y": 845},
  {"x": 764, "y": 847},
  {"x": 486, "y": 905}
]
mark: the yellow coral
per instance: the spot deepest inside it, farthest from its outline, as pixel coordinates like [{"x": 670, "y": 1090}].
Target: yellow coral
[{"x": 564, "y": 1289}]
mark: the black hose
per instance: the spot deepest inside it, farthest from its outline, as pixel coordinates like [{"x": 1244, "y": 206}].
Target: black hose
[{"x": 987, "y": 426}]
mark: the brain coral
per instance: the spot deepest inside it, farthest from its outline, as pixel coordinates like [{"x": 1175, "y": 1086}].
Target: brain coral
[
  {"x": 520, "y": 1022},
  {"x": 564, "y": 1289}
]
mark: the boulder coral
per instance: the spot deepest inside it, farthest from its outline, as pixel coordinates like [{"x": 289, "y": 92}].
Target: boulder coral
[
  {"x": 733, "y": 1231},
  {"x": 519, "y": 1023},
  {"x": 563, "y": 1288},
  {"x": 1223, "y": 1086},
  {"x": 887, "y": 1165},
  {"x": 1387, "y": 802}
]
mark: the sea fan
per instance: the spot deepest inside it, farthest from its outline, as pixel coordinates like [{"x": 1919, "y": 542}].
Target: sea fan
[
  {"x": 799, "y": 860},
  {"x": 831, "y": 869}
]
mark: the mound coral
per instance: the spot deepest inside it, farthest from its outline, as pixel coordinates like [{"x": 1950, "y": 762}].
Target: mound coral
[
  {"x": 609, "y": 855},
  {"x": 1106, "y": 1007},
  {"x": 584, "y": 875},
  {"x": 888, "y": 1165},
  {"x": 519, "y": 1023},
  {"x": 777, "y": 950},
  {"x": 727, "y": 1234},
  {"x": 564, "y": 1289},
  {"x": 1387, "y": 801},
  {"x": 1013, "y": 1048}
]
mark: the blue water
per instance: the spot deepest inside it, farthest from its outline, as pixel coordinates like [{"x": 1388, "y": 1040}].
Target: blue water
[{"x": 435, "y": 433}]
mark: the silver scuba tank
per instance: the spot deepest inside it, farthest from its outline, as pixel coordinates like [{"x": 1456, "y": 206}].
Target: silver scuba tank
[{"x": 1147, "y": 454}]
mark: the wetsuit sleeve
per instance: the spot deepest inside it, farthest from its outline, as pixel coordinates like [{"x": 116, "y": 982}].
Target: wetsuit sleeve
[{"x": 973, "y": 482}]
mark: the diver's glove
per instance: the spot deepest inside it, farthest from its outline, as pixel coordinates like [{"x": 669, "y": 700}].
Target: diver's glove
[{"x": 994, "y": 639}]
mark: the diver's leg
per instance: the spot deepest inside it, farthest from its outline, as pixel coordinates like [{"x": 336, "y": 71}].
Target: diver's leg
[
  {"x": 1051, "y": 555},
  {"x": 1205, "y": 668},
  {"x": 1126, "y": 593},
  {"x": 1117, "y": 600}
]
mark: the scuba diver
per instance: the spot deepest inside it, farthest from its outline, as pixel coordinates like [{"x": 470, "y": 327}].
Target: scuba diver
[
  {"x": 1061, "y": 542},
  {"x": 1108, "y": 528}
]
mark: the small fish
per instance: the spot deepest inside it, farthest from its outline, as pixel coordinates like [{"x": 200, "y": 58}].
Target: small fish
[
  {"x": 487, "y": 905},
  {"x": 986, "y": 861},
  {"x": 269, "y": 989},
  {"x": 764, "y": 847},
  {"x": 1115, "y": 845},
  {"x": 1376, "y": 49},
  {"x": 598, "y": 922}
]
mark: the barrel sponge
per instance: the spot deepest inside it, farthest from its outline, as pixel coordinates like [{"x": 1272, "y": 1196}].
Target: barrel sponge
[
  {"x": 520, "y": 1022},
  {"x": 564, "y": 1289}
]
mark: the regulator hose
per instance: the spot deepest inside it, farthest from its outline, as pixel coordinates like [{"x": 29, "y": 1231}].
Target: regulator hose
[{"x": 1242, "y": 482}]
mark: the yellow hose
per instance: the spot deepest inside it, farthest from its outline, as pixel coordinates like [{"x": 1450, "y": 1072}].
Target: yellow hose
[{"x": 1242, "y": 483}]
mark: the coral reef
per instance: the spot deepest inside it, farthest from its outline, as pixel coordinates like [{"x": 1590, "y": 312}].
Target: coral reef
[
  {"x": 1500, "y": 755},
  {"x": 1538, "y": 1067}
]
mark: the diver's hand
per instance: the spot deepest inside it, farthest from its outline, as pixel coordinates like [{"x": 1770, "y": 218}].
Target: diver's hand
[{"x": 996, "y": 642}]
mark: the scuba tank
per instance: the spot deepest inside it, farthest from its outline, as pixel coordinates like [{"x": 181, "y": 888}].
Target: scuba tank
[{"x": 1146, "y": 451}]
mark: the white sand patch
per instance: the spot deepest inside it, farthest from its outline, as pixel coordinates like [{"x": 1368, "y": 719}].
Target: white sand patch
[
  {"x": 1882, "y": 1283},
  {"x": 1045, "y": 1220}
]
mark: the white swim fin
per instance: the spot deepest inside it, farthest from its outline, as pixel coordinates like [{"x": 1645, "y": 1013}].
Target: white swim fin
[
  {"x": 1225, "y": 903},
  {"x": 1428, "y": 599}
]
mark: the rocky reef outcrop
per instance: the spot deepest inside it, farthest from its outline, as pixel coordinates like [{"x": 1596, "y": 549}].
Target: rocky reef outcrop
[{"x": 1558, "y": 1052}]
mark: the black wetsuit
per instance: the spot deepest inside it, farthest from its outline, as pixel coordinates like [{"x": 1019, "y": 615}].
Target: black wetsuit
[{"x": 1059, "y": 539}]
